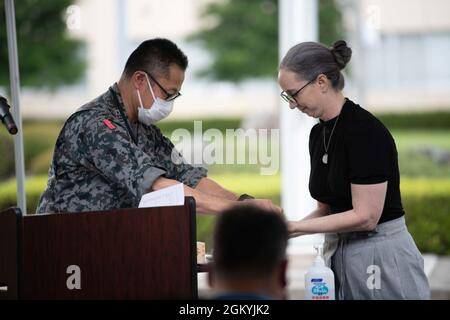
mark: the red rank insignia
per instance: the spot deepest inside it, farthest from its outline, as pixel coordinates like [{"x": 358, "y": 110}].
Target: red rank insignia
[{"x": 109, "y": 124}]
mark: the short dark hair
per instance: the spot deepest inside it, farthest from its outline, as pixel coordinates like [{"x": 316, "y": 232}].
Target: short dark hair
[
  {"x": 155, "y": 56},
  {"x": 249, "y": 242},
  {"x": 309, "y": 59}
]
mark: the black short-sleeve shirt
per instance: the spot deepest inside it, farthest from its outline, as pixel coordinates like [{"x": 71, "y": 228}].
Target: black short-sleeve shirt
[{"x": 361, "y": 151}]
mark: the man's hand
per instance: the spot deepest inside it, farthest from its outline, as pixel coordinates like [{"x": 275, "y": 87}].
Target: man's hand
[
  {"x": 264, "y": 204},
  {"x": 211, "y": 198},
  {"x": 211, "y": 187}
]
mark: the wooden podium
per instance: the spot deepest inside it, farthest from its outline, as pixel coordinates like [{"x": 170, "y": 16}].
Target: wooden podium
[{"x": 147, "y": 253}]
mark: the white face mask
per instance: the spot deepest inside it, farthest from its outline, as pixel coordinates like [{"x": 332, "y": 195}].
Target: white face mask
[{"x": 159, "y": 110}]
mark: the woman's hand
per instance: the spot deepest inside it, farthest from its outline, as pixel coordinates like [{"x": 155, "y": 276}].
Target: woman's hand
[{"x": 293, "y": 230}]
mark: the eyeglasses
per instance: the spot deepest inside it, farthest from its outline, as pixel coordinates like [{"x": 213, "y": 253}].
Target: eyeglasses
[
  {"x": 169, "y": 97},
  {"x": 291, "y": 97}
]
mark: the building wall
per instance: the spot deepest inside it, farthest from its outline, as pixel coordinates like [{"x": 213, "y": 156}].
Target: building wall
[
  {"x": 404, "y": 45},
  {"x": 406, "y": 65}
]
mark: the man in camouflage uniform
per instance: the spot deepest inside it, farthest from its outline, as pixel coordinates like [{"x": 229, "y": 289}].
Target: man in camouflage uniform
[{"x": 109, "y": 153}]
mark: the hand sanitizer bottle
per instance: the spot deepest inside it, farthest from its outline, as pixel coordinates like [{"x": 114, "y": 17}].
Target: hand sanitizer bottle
[{"x": 319, "y": 280}]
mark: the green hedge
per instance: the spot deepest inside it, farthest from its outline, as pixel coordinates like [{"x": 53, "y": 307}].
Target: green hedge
[
  {"x": 40, "y": 136},
  {"x": 428, "y": 220},
  {"x": 6, "y": 155},
  {"x": 167, "y": 126},
  {"x": 34, "y": 186},
  {"x": 41, "y": 163},
  {"x": 426, "y": 202},
  {"x": 439, "y": 119},
  {"x": 416, "y": 120},
  {"x": 39, "y": 140},
  {"x": 427, "y": 206}
]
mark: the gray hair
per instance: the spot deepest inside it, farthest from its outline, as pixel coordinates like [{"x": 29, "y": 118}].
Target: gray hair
[{"x": 309, "y": 59}]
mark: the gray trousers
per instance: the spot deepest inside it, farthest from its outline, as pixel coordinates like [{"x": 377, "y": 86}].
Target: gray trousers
[{"x": 380, "y": 264}]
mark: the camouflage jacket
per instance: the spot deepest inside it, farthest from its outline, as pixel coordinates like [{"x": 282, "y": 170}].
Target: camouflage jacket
[{"x": 97, "y": 164}]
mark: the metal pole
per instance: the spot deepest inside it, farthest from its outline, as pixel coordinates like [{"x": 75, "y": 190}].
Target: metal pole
[
  {"x": 15, "y": 105},
  {"x": 298, "y": 22}
]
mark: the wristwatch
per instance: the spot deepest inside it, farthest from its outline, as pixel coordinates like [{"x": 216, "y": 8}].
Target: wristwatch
[{"x": 245, "y": 196}]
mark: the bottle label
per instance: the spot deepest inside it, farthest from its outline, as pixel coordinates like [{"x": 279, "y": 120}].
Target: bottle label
[{"x": 319, "y": 289}]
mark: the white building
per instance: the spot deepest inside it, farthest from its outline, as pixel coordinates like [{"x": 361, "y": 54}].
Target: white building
[{"x": 405, "y": 50}]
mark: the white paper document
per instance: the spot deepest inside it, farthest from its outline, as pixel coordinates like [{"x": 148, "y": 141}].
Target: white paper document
[{"x": 170, "y": 196}]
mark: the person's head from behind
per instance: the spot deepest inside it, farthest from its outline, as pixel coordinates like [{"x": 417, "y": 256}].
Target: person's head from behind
[
  {"x": 310, "y": 76},
  {"x": 249, "y": 252},
  {"x": 154, "y": 72}
]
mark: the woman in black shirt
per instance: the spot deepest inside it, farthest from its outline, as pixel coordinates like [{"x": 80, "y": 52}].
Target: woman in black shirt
[{"x": 355, "y": 180}]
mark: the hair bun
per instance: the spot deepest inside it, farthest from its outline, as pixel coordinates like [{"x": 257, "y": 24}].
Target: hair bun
[{"x": 341, "y": 53}]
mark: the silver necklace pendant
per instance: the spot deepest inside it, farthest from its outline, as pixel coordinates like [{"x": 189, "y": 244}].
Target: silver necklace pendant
[{"x": 327, "y": 145}]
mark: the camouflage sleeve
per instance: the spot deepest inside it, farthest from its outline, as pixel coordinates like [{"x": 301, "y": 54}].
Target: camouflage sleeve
[
  {"x": 175, "y": 164},
  {"x": 112, "y": 153}
]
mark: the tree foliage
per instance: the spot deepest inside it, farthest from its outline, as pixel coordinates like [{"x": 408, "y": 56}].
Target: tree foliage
[
  {"x": 243, "y": 37},
  {"x": 47, "y": 56}
]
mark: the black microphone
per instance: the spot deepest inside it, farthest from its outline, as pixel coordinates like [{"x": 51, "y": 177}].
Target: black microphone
[{"x": 6, "y": 117}]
